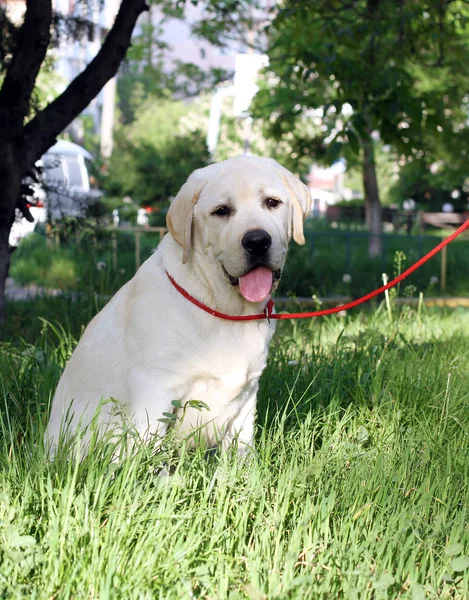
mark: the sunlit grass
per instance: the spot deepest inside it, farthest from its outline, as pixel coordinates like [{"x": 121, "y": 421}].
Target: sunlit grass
[{"x": 358, "y": 487}]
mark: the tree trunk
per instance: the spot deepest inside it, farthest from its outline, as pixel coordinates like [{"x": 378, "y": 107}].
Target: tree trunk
[
  {"x": 4, "y": 267},
  {"x": 29, "y": 52},
  {"x": 22, "y": 145},
  {"x": 374, "y": 220},
  {"x": 10, "y": 186}
]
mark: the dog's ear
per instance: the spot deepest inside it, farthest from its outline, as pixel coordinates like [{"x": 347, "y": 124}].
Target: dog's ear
[
  {"x": 181, "y": 211},
  {"x": 300, "y": 201}
]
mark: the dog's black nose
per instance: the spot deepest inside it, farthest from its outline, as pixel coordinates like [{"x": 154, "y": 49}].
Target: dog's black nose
[{"x": 257, "y": 242}]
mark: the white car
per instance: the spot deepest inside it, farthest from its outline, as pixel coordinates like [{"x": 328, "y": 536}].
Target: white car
[{"x": 65, "y": 192}]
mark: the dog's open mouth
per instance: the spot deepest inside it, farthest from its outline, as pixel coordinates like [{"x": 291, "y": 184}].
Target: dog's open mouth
[{"x": 257, "y": 283}]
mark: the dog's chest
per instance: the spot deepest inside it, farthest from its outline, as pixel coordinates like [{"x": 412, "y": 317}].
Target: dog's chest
[
  {"x": 229, "y": 362},
  {"x": 223, "y": 375}
]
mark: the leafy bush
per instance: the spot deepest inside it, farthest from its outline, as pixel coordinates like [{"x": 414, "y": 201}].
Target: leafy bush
[{"x": 36, "y": 263}]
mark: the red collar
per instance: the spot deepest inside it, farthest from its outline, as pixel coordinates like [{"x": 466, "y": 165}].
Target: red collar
[{"x": 267, "y": 314}]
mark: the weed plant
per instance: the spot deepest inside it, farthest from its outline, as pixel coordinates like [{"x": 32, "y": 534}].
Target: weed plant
[{"x": 357, "y": 487}]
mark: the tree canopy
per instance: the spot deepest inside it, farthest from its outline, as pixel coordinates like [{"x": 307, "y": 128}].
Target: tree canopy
[{"x": 364, "y": 68}]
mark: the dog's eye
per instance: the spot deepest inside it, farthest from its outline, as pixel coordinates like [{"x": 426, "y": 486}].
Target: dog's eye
[
  {"x": 222, "y": 211},
  {"x": 272, "y": 202}
]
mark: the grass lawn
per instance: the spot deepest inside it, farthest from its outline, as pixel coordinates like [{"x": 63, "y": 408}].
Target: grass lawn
[{"x": 358, "y": 488}]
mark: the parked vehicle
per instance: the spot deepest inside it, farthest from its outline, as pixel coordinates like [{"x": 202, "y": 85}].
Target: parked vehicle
[
  {"x": 67, "y": 181},
  {"x": 61, "y": 189}
]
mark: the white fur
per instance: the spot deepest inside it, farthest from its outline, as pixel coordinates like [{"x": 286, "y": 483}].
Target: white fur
[{"x": 150, "y": 346}]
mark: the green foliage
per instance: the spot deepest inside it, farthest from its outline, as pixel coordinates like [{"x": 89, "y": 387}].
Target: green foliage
[
  {"x": 370, "y": 56},
  {"x": 134, "y": 89},
  {"x": 354, "y": 203},
  {"x": 37, "y": 264},
  {"x": 47, "y": 85},
  {"x": 152, "y": 74},
  {"x": 387, "y": 170},
  {"x": 82, "y": 262},
  {"x": 431, "y": 176},
  {"x": 143, "y": 76},
  {"x": 91, "y": 142},
  {"x": 339, "y": 71},
  {"x": 154, "y": 155},
  {"x": 228, "y": 21},
  {"x": 58, "y": 272}
]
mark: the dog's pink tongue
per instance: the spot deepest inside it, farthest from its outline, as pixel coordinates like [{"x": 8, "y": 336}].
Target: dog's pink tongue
[{"x": 255, "y": 286}]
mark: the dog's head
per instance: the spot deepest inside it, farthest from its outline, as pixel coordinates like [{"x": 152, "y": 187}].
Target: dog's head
[{"x": 241, "y": 213}]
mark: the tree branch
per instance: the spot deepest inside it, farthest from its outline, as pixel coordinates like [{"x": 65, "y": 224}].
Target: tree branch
[
  {"x": 41, "y": 132},
  {"x": 31, "y": 48}
]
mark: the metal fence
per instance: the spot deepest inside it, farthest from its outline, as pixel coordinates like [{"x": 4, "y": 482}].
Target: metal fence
[{"x": 352, "y": 246}]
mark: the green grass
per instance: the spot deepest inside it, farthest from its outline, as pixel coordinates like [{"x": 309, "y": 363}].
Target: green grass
[
  {"x": 358, "y": 488},
  {"x": 83, "y": 262}
]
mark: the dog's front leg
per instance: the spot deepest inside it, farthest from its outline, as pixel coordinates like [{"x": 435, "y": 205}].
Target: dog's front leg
[
  {"x": 149, "y": 398},
  {"x": 241, "y": 430}
]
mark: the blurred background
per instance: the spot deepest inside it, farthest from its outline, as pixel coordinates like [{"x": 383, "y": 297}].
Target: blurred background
[{"x": 366, "y": 101}]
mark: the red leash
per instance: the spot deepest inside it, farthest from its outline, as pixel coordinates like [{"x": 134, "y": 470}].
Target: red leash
[{"x": 268, "y": 314}]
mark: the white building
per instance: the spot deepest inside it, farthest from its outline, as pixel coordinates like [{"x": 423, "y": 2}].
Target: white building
[
  {"x": 182, "y": 44},
  {"x": 326, "y": 185}
]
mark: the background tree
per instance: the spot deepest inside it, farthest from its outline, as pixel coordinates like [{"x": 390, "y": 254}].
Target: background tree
[
  {"x": 165, "y": 141},
  {"x": 25, "y": 137},
  {"x": 155, "y": 153},
  {"x": 437, "y": 172},
  {"x": 361, "y": 70}
]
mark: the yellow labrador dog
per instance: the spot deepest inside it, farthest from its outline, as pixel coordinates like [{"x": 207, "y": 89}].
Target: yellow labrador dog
[{"x": 229, "y": 227}]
